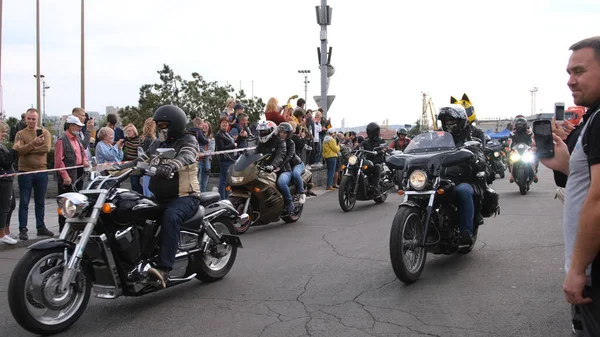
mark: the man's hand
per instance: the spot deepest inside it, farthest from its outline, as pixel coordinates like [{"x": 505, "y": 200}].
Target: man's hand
[
  {"x": 67, "y": 181},
  {"x": 560, "y": 161},
  {"x": 39, "y": 140},
  {"x": 164, "y": 171},
  {"x": 573, "y": 287}
]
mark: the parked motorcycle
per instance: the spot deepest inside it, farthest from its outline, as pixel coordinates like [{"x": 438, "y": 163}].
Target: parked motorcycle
[
  {"x": 255, "y": 195},
  {"x": 109, "y": 241},
  {"x": 355, "y": 182},
  {"x": 522, "y": 158},
  {"x": 428, "y": 219}
]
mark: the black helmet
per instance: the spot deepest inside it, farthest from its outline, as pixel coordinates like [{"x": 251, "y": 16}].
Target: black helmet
[
  {"x": 401, "y": 131},
  {"x": 360, "y": 139},
  {"x": 174, "y": 116},
  {"x": 285, "y": 127},
  {"x": 520, "y": 124},
  {"x": 454, "y": 112},
  {"x": 373, "y": 130}
]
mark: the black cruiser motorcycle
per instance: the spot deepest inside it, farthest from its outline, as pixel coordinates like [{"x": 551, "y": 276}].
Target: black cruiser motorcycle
[
  {"x": 428, "y": 219},
  {"x": 109, "y": 241}
]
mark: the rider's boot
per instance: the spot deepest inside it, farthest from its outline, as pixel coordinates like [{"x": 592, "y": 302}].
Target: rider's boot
[{"x": 465, "y": 239}]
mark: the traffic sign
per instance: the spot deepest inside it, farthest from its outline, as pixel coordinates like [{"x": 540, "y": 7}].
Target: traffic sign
[{"x": 330, "y": 99}]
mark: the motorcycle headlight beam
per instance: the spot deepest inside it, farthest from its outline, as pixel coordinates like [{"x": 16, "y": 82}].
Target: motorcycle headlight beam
[
  {"x": 72, "y": 204},
  {"x": 515, "y": 157},
  {"x": 418, "y": 180},
  {"x": 352, "y": 160},
  {"x": 528, "y": 157}
]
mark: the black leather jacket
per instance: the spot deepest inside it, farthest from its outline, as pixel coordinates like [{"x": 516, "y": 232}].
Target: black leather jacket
[
  {"x": 276, "y": 147},
  {"x": 467, "y": 171},
  {"x": 371, "y": 144},
  {"x": 7, "y": 160},
  {"x": 291, "y": 158}
]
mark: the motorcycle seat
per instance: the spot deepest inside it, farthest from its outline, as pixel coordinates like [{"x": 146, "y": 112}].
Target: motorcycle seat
[
  {"x": 195, "y": 220},
  {"x": 207, "y": 198}
]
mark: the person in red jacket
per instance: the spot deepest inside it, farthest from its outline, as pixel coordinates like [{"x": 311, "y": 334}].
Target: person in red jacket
[{"x": 401, "y": 142}]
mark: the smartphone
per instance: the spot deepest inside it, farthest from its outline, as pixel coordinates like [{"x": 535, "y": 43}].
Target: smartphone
[
  {"x": 542, "y": 132},
  {"x": 559, "y": 112},
  {"x": 38, "y": 132}
]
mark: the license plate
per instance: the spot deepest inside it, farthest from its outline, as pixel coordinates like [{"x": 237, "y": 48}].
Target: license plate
[{"x": 232, "y": 240}]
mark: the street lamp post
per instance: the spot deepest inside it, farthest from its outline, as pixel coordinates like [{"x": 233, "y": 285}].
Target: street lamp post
[
  {"x": 43, "y": 113},
  {"x": 324, "y": 19},
  {"x": 533, "y": 91},
  {"x": 82, "y": 57},
  {"x": 306, "y": 82},
  {"x": 37, "y": 38}
]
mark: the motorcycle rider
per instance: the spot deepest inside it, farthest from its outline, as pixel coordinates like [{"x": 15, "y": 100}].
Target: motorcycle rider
[
  {"x": 292, "y": 167},
  {"x": 522, "y": 134},
  {"x": 401, "y": 141},
  {"x": 178, "y": 195},
  {"x": 270, "y": 143},
  {"x": 373, "y": 142},
  {"x": 454, "y": 120}
]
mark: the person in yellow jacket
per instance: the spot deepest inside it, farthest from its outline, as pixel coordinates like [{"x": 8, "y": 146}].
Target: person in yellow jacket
[{"x": 330, "y": 153}]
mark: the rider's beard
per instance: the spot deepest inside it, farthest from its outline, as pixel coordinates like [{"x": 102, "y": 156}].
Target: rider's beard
[{"x": 162, "y": 134}]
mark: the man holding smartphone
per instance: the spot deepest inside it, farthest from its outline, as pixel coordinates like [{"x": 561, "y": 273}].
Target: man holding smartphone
[
  {"x": 32, "y": 144},
  {"x": 581, "y": 214}
]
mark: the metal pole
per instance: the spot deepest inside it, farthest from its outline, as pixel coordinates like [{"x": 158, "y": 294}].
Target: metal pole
[
  {"x": 37, "y": 38},
  {"x": 324, "y": 58},
  {"x": 82, "y": 56},
  {"x": 44, "y": 100},
  {"x": 305, "y": 88}
]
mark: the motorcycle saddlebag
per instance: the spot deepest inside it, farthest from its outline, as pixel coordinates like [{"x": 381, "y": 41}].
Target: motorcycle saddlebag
[{"x": 490, "y": 205}]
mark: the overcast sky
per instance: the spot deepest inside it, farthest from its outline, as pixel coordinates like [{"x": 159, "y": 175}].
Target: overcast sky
[{"x": 385, "y": 52}]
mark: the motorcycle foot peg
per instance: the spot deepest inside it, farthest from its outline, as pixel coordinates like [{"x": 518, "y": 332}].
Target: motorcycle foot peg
[{"x": 244, "y": 218}]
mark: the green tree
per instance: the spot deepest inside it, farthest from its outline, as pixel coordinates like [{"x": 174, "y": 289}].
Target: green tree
[
  {"x": 12, "y": 122},
  {"x": 197, "y": 97},
  {"x": 415, "y": 130}
]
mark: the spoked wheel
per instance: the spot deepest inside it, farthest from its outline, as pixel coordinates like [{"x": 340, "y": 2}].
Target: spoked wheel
[
  {"x": 35, "y": 298},
  {"x": 346, "y": 195},
  {"x": 384, "y": 193},
  {"x": 408, "y": 258},
  {"x": 219, "y": 258},
  {"x": 239, "y": 203}
]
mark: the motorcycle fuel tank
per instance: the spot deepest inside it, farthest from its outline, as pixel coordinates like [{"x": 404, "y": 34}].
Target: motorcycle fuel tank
[{"x": 132, "y": 207}]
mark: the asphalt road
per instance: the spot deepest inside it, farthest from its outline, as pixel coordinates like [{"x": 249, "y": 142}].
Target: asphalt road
[{"x": 330, "y": 275}]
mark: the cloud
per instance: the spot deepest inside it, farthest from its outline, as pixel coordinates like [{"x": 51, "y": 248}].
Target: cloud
[{"x": 385, "y": 52}]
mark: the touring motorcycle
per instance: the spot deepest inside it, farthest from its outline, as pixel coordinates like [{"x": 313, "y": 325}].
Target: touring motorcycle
[
  {"x": 109, "y": 241},
  {"x": 255, "y": 195},
  {"x": 428, "y": 219},
  {"x": 522, "y": 158},
  {"x": 355, "y": 182}
]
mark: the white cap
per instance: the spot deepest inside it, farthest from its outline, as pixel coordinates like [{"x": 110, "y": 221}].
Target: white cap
[{"x": 74, "y": 120}]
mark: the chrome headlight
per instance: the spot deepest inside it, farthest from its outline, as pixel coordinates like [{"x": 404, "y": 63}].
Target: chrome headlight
[
  {"x": 72, "y": 204},
  {"x": 514, "y": 157},
  {"x": 528, "y": 157},
  {"x": 237, "y": 180},
  {"x": 418, "y": 179},
  {"x": 352, "y": 160},
  {"x": 496, "y": 154}
]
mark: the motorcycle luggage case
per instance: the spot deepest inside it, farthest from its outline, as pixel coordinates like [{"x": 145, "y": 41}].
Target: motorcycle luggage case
[{"x": 490, "y": 203}]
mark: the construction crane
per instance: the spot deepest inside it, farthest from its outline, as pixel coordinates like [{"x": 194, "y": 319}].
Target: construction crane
[{"x": 425, "y": 119}]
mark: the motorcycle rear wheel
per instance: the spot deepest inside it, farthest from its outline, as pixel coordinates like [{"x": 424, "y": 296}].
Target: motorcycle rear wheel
[
  {"x": 295, "y": 216},
  {"x": 346, "y": 195},
  {"x": 384, "y": 194},
  {"x": 408, "y": 274},
  {"x": 210, "y": 268},
  {"x": 238, "y": 203},
  {"x": 34, "y": 299}
]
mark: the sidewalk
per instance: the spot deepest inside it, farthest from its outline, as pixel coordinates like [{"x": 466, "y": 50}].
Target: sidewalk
[{"x": 51, "y": 218}]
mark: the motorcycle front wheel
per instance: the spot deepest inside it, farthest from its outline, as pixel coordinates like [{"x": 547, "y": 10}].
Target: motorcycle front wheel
[
  {"x": 219, "y": 258},
  {"x": 346, "y": 195},
  {"x": 521, "y": 181},
  {"x": 407, "y": 257},
  {"x": 35, "y": 299}
]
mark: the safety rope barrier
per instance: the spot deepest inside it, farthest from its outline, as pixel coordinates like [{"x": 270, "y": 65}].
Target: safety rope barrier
[{"x": 103, "y": 166}]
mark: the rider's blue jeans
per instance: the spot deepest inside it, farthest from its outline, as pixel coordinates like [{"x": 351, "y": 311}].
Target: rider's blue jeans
[
  {"x": 466, "y": 207},
  {"x": 177, "y": 211},
  {"x": 285, "y": 178}
]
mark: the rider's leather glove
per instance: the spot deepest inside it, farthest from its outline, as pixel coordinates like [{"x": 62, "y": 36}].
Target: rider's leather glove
[
  {"x": 269, "y": 168},
  {"x": 164, "y": 171}
]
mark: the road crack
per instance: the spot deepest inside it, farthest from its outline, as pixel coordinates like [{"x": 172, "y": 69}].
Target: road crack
[{"x": 346, "y": 256}]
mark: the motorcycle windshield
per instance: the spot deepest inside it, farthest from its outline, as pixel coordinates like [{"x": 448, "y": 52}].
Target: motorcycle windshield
[
  {"x": 521, "y": 148},
  {"x": 246, "y": 160},
  {"x": 433, "y": 141}
]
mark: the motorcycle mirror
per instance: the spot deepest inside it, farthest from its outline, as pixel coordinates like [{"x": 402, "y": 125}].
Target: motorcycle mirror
[
  {"x": 140, "y": 151},
  {"x": 472, "y": 143},
  {"x": 167, "y": 153}
]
